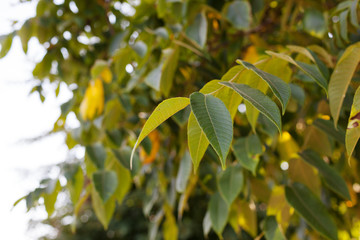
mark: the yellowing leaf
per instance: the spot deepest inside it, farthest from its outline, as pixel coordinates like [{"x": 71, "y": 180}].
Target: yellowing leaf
[
  {"x": 162, "y": 112},
  {"x": 341, "y": 77},
  {"x": 170, "y": 229},
  {"x": 101, "y": 70},
  {"x": 93, "y": 102},
  {"x": 106, "y": 75},
  {"x": 279, "y": 207},
  {"x": 287, "y": 147},
  {"x": 353, "y": 129},
  {"x": 251, "y": 55}
]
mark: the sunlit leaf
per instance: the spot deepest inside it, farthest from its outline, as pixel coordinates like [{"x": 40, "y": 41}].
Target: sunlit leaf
[
  {"x": 353, "y": 128},
  {"x": 162, "y": 112}
]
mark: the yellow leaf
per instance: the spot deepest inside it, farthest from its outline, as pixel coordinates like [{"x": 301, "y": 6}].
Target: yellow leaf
[
  {"x": 279, "y": 207},
  {"x": 106, "y": 75},
  {"x": 93, "y": 102},
  {"x": 170, "y": 229},
  {"x": 251, "y": 55},
  {"x": 287, "y": 147}
]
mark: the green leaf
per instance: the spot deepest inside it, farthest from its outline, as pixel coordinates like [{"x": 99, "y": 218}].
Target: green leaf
[
  {"x": 230, "y": 183},
  {"x": 97, "y": 154},
  {"x": 215, "y": 121},
  {"x": 247, "y": 150},
  {"x": 219, "y": 212},
  {"x": 105, "y": 183},
  {"x": 272, "y": 230},
  {"x": 50, "y": 196},
  {"x": 5, "y": 43},
  {"x": 25, "y": 33},
  {"x": 239, "y": 14},
  {"x": 332, "y": 178},
  {"x": 183, "y": 173},
  {"x": 311, "y": 209},
  {"x": 259, "y": 100},
  {"x": 103, "y": 211},
  {"x": 353, "y": 14},
  {"x": 327, "y": 126},
  {"x": 124, "y": 181},
  {"x": 341, "y": 77},
  {"x": 314, "y": 22},
  {"x": 75, "y": 185},
  {"x": 343, "y": 25},
  {"x": 353, "y": 128},
  {"x": 162, "y": 112},
  {"x": 310, "y": 70},
  {"x": 197, "y": 141},
  {"x": 280, "y": 88},
  {"x": 197, "y": 30},
  {"x": 170, "y": 57},
  {"x": 140, "y": 48}
]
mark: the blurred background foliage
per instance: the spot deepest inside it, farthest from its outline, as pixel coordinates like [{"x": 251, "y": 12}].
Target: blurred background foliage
[{"x": 120, "y": 59}]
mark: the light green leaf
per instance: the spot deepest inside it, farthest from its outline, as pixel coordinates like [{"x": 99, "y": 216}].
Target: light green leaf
[
  {"x": 5, "y": 44},
  {"x": 215, "y": 121},
  {"x": 50, "y": 196},
  {"x": 75, "y": 185},
  {"x": 353, "y": 14},
  {"x": 162, "y": 112},
  {"x": 219, "y": 212},
  {"x": 310, "y": 70},
  {"x": 124, "y": 180},
  {"x": 230, "y": 183},
  {"x": 272, "y": 230},
  {"x": 103, "y": 211},
  {"x": 183, "y": 173},
  {"x": 311, "y": 209},
  {"x": 332, "y": 178},
  {"x": 341, "y": 77},
  {"x": 247, "y": 151},
  {"x": 105, "y": 183},
  {"x": 327, "y": 126},
  {"x": 197, "y": 141},
  {"x": 197, "y": 30},
  {"x": 97, "y": 154},
  {"x": 170, "y": 57},
  {"x": 259, "y": 100},
  {"x": 353, "y": 128},
  {"x": 239, "y": 14},
  {"x": 280, "y": 88}
]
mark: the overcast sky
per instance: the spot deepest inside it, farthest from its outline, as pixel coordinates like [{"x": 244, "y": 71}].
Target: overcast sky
[{"x": 23, "y": 116}]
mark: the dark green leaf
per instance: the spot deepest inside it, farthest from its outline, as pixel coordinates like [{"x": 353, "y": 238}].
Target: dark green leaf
[
  {"x": 215, "y": 121},
  {"x": 259, "y": 100},
  {"x": 272, "y": 230},
  {"x": 311, "y": 209},
  {"x": 97, "y": 154},
  {"x": 105, "y": 183},
  {"x": 219, "y": 211}
]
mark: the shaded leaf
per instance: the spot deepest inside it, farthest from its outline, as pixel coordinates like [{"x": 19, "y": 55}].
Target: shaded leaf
[
  {"x": 197, "y": 30},
  {"x": 184, "y": 173},
  {"x": 332, "y": 178},
  {"x": 239, "y": 14},
  {"x": 272, "y": 230},
  {"x": 103, "y": 211},
  {"x": 327, "y": 126},
  {"x": 219, "y": 211},
  {"x": 311, "y": 209},
  {"x": 230, "y": 183},
  {"x": 105, "y": 183},
  {"x": 97, "y": 154}
]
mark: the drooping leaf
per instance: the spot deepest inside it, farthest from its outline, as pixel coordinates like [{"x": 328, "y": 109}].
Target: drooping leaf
[
  {"x": 162, "y": 112},
  {"x": 124, "y": 180},
  {"x": 170, "y": 57},
  {"x": 105, "y": 183},
  {"x": 353, "y": 128},
  {"x": 197, "y": 30},
  {"x": 50, "y": 196},
  {"x": 170, "y": 228},
  {"x": 215, "y": 121},
  {"x": 239, "y": 14},
  {"x": 341, "y": 77},
  {"x": 259, "y": 100},
  {"x": 311, "y": 70},
  {"x": 230, "y": 183},
  {"x": 332, "y": 178},
  {"x": 183, "y": 173},
  {"x": 280, "y": 88},
  {"x": 311, "y": 209},
  {"x": 353, "y": 14},
  {"x": 343, "y": 25},
  {"x": 206, "y": 223},
  {"x": 279, "y": 207},
  {"x": 5, "y": 44},
  {"x": 219, "y": 211},
  {"x": 272, "y": 230},
  {"x": 75, "y": 185}
]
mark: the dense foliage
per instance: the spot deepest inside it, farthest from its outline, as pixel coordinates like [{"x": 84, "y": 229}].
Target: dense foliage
[{"x": 270, "y": 85}]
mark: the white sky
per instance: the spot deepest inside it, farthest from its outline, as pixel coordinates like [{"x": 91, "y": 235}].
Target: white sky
[{"x": 23, "y": 116}]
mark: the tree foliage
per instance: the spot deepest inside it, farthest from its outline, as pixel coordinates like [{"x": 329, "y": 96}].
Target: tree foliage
[{"x": 230, "y": 119}]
